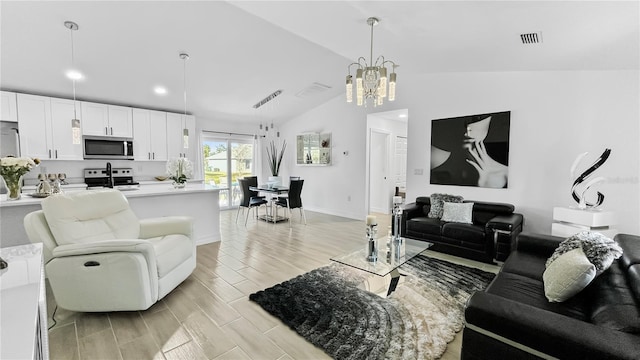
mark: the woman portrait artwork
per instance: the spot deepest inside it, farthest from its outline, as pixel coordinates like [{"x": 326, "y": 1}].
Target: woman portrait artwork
[{"x": 471, "y": 150}]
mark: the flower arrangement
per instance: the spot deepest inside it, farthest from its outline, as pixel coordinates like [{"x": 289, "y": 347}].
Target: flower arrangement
[
  {"x": 179, "y": 170},
  {"x": 275, "y": 156},
  {"x": 12, "y": 169}
]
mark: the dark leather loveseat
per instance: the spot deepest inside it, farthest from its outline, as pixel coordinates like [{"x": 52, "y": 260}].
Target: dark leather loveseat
[
  {"x": 512, "y": 319},
  {"x": 495, "y": 226}
]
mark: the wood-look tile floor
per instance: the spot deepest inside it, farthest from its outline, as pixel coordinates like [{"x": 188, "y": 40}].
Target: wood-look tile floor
[{"x": 209, "y": 316}]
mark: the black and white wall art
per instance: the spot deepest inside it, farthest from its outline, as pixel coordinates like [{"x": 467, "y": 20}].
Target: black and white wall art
[{"x": 471, "y": 150}]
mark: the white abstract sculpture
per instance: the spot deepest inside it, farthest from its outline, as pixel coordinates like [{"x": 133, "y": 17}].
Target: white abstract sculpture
[{"x": 579, "y": 181}]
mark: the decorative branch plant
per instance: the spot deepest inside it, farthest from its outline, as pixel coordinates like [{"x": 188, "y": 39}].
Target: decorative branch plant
[{"x": 275, "y": 156}]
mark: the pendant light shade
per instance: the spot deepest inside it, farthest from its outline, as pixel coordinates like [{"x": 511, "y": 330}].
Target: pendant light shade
[
  {"x": 185, "y": 131},
  {"x": 76, "y": 134}
]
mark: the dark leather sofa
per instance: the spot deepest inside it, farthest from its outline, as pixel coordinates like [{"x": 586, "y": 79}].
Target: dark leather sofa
[
  {"x": 512, "y": 319},
  {"x": 495, "y": 226}
]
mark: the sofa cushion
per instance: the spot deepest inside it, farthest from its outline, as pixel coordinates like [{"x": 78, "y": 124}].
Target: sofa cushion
[
  {"x": 464, "y": 232},
  {"x": 525, "y": 264},
  {"x": 90, "y": 216},
  {"x": 567, "y": 275},
  {"x": 631, "y": 249},
  {"x": 437, "y": 203},
  {"x": 599, "y": 249},
  {"x": 531, "y": 292},
  {"x": 424, "y": 225},
  {"x": 612, "y": 301},
  {"x": 457, "y": 212},
  {"x": 171, "y": 251}
]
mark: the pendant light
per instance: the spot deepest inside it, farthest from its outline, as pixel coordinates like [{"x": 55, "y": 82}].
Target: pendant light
[
  {"x": 74, "y": 75},
  {"x": 185, "y": 131}
]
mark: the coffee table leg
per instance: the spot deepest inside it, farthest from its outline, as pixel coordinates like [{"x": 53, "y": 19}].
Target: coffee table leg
[{"x": 395, "y": 277}]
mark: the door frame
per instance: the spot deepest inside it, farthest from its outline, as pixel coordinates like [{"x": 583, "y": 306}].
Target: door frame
[{"x": 370, "y": 144}]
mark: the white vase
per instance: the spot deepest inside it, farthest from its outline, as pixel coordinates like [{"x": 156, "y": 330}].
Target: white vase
[{"x": 275, "y": 180}]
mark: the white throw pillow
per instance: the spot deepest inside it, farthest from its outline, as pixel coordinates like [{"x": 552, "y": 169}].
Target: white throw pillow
[
  {"x": 567, "y": 275},
  {"x": 458, "y": 212}
]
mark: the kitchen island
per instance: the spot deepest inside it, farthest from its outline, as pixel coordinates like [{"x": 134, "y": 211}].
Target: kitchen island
[{"x": 196, "y": 200}]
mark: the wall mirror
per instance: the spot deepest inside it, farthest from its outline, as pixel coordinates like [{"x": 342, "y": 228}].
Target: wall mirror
[{"x": 313, "y": 149}]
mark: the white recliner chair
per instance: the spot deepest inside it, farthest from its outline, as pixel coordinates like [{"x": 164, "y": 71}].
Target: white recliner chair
[{"x": 100, "y": 257}]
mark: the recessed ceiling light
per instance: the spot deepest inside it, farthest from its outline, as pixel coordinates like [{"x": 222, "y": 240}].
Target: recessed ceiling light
[
  {"x": 74, "y": 75},
  {"x": 160, "y": 90}
]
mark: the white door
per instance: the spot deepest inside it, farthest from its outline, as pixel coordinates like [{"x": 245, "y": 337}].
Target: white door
[
  {"x": 400, "y": 162},
  {"x": 379, "y": 189}
]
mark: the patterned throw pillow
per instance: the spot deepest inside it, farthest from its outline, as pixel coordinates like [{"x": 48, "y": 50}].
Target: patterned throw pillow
[
  {"x": 437, "y": 204},
  {"x": 599, "y": 249},
  {"x": 567, "y": 275},
  {"x": 458, "y": 212}
]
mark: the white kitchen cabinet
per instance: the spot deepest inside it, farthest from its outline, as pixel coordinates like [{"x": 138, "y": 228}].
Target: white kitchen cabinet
[
  {"x": 149, "y": 135},
  {"x": 107, "y": 120},
  {"x": 35, "y": 119},
  {"x": 120, "y": 121},
  {"x": 8, "y": 106},
  {"x": 61, "y": 130},
  {"x": 176, "y": 123},
  {"x": 45, "y": 128}
]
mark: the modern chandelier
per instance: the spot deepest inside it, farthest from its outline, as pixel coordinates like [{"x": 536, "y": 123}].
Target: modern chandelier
[{"x": 371, "y": 78}]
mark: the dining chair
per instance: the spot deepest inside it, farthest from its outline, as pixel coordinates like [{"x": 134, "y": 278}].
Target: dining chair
[
  {"x": 250, "y": 199},
  {"x": 293, "y": 199}
]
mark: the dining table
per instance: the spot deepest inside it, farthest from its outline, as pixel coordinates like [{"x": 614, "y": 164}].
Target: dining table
[{"x": 273, "y": 191}]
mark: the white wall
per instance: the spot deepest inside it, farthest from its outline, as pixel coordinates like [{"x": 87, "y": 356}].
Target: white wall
[
  {"x": 338, "y": 189},
  {"x": 554, "y": 117}
]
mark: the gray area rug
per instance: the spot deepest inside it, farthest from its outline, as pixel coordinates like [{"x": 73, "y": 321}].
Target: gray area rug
[{"x": 327, "y": 308}]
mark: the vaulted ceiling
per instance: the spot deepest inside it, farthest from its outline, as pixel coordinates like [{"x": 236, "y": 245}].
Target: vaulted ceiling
[{"x": 241, "y": 51}]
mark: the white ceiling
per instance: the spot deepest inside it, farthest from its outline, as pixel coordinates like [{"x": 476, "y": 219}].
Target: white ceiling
[{"x": 243, "y": 51}]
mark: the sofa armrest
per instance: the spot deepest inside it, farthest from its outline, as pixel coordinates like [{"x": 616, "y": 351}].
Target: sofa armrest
[
  {"x": 411, "y": 210},
  {"x": 541, "y": 244},
  {"x": 550, "y": 333},
  {"x": 505, "y": 222},
  {"x": 161, "y": 226},
  {"x": 98, "y": 247}
]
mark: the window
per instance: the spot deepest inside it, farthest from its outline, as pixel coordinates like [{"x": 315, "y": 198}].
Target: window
[{"x": 226, "y": 160}]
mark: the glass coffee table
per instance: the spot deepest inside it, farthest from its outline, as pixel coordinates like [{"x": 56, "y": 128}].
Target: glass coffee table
[{"x": 389, "y": 259}]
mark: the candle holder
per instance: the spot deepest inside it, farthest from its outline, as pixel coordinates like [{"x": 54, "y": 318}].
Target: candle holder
[
  {"x": 397, "y": 218},
  {"x": 372, "y": 245}
]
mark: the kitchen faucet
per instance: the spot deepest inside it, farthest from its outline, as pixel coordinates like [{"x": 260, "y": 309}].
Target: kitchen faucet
[{"x": 109, "y": 176}]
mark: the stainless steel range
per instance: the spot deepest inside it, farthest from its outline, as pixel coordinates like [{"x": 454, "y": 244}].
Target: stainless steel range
[{"x": 118, "y": 178}]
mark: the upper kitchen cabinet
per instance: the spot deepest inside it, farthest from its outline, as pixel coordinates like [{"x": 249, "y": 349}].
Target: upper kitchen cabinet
[
  {"x": 107, "y": 120},
  {"x": 149, "y": 135},
  {"x": 179, "y": 145},
  {"x": 8, "y": 106},
  {"x": 45, "y": 128}
]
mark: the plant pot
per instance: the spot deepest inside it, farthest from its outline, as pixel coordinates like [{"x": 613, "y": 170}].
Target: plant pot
[
  {"x": 14, "y": 186},
  {"x": 275, "y": 180}
]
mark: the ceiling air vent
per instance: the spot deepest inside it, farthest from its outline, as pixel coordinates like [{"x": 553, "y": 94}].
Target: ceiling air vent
[
  {"x": 267, "y": 99},
  {"x": 312, "y": 90},
  {"x": 531, "y": 38}
]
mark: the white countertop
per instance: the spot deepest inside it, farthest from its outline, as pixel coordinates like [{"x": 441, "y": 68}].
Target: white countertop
[
  {"x": 146, "y": 189},
  {"x": 20, "y": 285}
]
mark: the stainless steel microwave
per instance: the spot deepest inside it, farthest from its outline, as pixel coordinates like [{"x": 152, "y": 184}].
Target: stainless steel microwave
[{"x": 107, "y": 147}]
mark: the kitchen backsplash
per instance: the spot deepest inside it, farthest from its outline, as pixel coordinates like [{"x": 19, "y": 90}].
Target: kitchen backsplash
[{"x": 142, "y": 170}]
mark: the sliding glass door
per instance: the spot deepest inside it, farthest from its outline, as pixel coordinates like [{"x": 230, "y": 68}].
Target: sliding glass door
[{"x": 226, "y": 160}]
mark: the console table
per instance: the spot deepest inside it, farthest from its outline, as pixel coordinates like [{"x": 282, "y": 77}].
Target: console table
[
  {"x": 24, "y": 330},
  {"x": 570, "y": 221}
]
